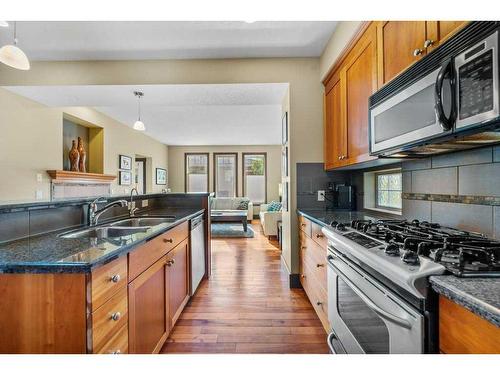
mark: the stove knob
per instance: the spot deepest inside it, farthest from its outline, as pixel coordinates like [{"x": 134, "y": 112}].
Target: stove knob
[
  {"x": 415, "y": 223},
  {"x": 410, "y": 257},
  {"x": 340, "y": 227},
  {"x": 392, "y": 249},
  {"x": 334, "y": 223}
]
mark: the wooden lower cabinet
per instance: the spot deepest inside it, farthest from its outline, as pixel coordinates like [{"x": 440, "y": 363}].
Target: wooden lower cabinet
[
  {"x": 149, "y": 308},
  {"x": 313, "y": 268},
  {"x": 463, "y": 332},
  {"x": 178, "y": 262}
]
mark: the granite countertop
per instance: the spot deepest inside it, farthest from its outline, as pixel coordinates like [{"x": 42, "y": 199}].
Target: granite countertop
[
  {"x": 479, "y": 295},
  {"x": 49, "y": 253},
  {"x": 325, "y": 217}
]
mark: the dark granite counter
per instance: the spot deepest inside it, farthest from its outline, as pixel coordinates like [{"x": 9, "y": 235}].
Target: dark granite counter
[
  {"x": 49, "y": 253},
  {"x": 479, "y": 295},
  {"x": 325, "y": 217}
]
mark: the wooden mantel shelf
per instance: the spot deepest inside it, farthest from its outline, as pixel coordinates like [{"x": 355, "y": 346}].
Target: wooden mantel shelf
[{"x": 71, "y": 176}]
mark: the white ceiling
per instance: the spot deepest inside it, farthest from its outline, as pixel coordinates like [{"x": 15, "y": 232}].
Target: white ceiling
[
  {"x": 215, "y": 114},
  {"x": 132, "y": 40}
]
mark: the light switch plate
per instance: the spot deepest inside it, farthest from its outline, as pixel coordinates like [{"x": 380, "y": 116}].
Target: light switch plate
[
  {"x": 38, "y": 194},
  {"x": 321, "y": 195},
  {"x": 38, "y": 177}
]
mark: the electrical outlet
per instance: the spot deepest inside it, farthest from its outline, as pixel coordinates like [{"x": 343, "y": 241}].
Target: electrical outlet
[
  {"x": 38, "y": 177},
  {"x": 144, "y": 203},
  {"x": 38, "y": 194},
  {"x": 321, "y": 195}
]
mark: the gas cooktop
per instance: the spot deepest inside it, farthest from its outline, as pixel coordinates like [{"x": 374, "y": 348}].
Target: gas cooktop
[{"x": 464, "y": 254}]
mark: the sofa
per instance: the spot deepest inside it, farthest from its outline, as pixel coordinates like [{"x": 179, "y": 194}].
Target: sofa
[
  {"x": 269, "y": 220},
  {"x": 231, "y": 204}
]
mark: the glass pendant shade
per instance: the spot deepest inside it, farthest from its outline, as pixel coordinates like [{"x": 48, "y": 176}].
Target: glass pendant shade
[
  {"x": 139, "y": 125},
  {"x": 14, "y": 57}
]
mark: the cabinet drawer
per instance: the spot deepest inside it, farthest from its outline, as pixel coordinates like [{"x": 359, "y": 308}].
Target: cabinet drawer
[
  {"x": 108, "y": 319},
  {"x": 315, "y": 256},
  {"x": 318, "y": 236},
  {"x": 144, "y": 256},
  {"x": 118, "y": 344},
  {"x": 107, "y": 280},
  {"x": 316, "y": 294},
  {"x": 305, "y": 225}
]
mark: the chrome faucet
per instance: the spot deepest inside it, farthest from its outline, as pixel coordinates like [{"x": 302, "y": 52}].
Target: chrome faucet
[
  {"x": 94, "y": 213},
  {"x": 131, "y": 209}
]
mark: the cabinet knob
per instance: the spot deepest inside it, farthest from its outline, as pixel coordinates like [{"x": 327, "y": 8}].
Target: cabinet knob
[
  {"x": 417, "y": 52},
  {"x": 170, "y": 262},
  {"x": 428, "y": 43},
  {"x": 118, "y": 351},
  {"x": 318, "y": 303},
  {"x": 303, "y": 276},
  {"x": 319, "y": 235},
  {"x": 116, "y": 316},
  {"x": 303, "y": 224},
  {"x": 319, "y": 265},
  {"x": 169, "y": 240},
  {"x": 340, "y": 157},
  {"x": 303, "y": 247},
  {"x": 115, "y": 278}
]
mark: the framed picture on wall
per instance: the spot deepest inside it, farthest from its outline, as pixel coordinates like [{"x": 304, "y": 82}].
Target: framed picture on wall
[
  {"x": 125, "y": 162},
  {"x": 284, "y": 129},
  {"x": 284, "y": 162},
  {"x": 161, "y": 176},
  {"x": 125, "y": 178}
]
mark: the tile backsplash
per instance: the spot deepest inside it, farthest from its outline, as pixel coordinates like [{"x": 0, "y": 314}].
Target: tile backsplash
[{"x": 459, "y": 189}]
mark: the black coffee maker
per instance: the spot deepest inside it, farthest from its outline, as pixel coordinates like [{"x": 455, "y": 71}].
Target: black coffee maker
[{"x": 345, "y": 198}]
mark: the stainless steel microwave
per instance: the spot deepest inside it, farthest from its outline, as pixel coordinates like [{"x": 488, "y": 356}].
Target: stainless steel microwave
[{"x": 448, "y": 101}]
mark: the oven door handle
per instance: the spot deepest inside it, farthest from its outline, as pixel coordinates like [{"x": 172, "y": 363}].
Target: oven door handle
[
  {"x": 393, "y": 318},
  {"x": 329, "y": 340}
]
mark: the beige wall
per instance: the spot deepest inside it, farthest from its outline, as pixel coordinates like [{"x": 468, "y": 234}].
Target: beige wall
[
  {"x": 343, "y": 33},
  {"x": 32, "y": 140},
  {"x": 305, "y": 97},
  {"x": 176, "y": 166}
]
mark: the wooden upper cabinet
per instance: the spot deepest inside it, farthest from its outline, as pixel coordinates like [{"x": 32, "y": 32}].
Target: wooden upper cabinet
[
  {"x": 359, "y": 77},
  {"x": 178, "y": 263},
  {"x": 334, "y": 138},
  {"x": 401, "y": 43},
  {"x": 149, "y": 311}
]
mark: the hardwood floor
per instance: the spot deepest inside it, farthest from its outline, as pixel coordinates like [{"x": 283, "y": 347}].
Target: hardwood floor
[{"x": 247, "y": 305}]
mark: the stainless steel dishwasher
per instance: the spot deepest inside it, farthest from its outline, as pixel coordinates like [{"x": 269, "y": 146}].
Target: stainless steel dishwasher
[{"x": 197, "y": 239}]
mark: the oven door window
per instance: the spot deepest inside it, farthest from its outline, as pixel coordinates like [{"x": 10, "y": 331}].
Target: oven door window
[{"x": 368, "y": 329}]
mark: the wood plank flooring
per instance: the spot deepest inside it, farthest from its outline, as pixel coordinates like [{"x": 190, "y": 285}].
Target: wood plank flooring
[{"x": 247, "y": 305}]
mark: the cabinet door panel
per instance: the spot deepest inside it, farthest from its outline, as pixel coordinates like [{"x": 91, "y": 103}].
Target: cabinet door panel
[
  {"x": 360, "y": 82},
  {"x": 334, "y": 134},
  {"x": 399, "y": 40},
  {"x": 149, "y": 323},
  {"x": 179, "y": 280},
  {"x": 440, "y": 31}
]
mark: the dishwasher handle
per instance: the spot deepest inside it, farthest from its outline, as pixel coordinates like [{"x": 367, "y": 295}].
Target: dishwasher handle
[{"x": 196, "y": 221}]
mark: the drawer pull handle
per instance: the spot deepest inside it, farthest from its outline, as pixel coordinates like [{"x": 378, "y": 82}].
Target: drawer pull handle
[
  {"x": 118, "y": 351},
  {"x": 115, "y": 278},
  {"x": 319, "y": 235},
  {"x": 303, "y": 276},
  {"x": 318, "y": 303},
  {"x": 320, "y": 265},
  {"x": 169, "y": 240},
  {"x": 428, "y": 43},
  {"x": 170, "y": 262},
  {"x": 303, "y": 224},
  {"x": 417, "y": 52},
  {"x": 303, "y": 247},
  {"x": 116, "y": 316}
]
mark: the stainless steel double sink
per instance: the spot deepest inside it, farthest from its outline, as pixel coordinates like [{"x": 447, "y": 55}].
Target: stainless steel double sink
[{"x": 120, "y": 228}]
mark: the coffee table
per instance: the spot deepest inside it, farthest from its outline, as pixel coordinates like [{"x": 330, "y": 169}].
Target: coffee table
[{"x": 229, "y": 216}]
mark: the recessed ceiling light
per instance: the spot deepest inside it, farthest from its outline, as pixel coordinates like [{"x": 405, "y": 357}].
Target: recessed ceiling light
[{"x": 4, "y": 24}]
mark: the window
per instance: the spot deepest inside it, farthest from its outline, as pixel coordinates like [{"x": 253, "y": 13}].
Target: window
[
  {"x": 388, "y": 189},
  {"x": 254, "y": 177},
  {"x": 226, "y": 169},
  {"x": 196, "y": 169}
]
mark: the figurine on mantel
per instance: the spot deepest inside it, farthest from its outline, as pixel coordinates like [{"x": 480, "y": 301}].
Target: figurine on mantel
[
  {"x": 74, "y": 157},
  {"x": 83, "y": 155}
]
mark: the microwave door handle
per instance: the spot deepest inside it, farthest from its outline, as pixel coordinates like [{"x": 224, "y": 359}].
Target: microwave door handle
[
  {"x": 393, "y": 318},
  {"x": 445, "y": 122}
]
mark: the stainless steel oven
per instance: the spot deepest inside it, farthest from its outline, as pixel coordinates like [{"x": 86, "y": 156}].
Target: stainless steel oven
[
  {"x": 365, "y": 316},
  {"x": 447, "y": 101}
]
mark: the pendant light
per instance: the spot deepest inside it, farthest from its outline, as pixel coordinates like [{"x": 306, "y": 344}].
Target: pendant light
[
  {"x": 139, "y": 125},
  {"x": 13, "y": 56}
]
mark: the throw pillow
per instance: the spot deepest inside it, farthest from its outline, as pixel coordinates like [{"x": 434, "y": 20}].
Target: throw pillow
[
  {"x": 274, "y": 206},
  {"x": 243, "y": 205}
]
